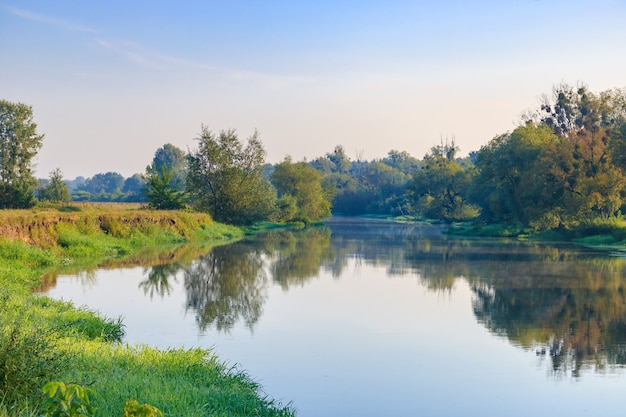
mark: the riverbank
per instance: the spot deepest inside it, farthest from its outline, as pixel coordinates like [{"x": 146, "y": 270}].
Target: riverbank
[{"x": 42, "y": 340}]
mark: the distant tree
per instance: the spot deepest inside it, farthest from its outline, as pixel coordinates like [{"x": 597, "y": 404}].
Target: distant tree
[
  {"x": 173, "y": 159},
  {"x": 162, "y": 190},
  {"x": 571, "y": 109},
  {"x": 133, "y": 185},
  {"x": 389, "y": 185},
  {"x": 301, "y": 182},
  {"x": 225, "y": 178},
  {"x": 439, "y": 190},
  {"x": 56, "y": 190},
  {"x": 402, "y": 162},
  {"x": 334, "y": 162},
  {"x": 76, "y": 183},
  {"x": 19, "y": 143},
  {"x": 107, "y": 183}
]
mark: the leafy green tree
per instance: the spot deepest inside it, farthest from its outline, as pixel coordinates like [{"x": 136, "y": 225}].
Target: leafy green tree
[
  {"x": 225, "y": 178},
  {"x": 582, "y": 176},
  {"x": 511, "y": 179},
  {"x": 439, "y": 190},
  {"x": 104, "y": 183},
  {"x": 387, "y": 187},
  {"x": 133, "y": 188},
  {"x": 402, "y": 162},
  {"x": 303, "y": 183},
  {"x": 162, "y": 189},
  {"x": 334, "y": 162},
  {"x": 56, "y": 190},
  {"x": 175, "y": 160},
  {"x": 19, "y": 143}
]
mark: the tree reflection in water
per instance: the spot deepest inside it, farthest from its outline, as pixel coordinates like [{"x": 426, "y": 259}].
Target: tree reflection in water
[{"x": 564, "y": 301}]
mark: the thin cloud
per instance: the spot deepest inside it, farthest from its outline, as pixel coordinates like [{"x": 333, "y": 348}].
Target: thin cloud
[
  {"x": 138, "y": 55},
  {"x": 127, "y": 52},
  {"x": 59, "y": 23}
]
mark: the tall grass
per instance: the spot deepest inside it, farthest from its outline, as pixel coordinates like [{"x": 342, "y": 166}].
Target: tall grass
[
  {"x": 179, "y": 382},
  {"x": 43, "y": 340}
]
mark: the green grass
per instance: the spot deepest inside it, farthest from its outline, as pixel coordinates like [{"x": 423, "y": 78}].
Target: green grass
[
  {"x": 179, "y": 382},
  {"x": 43, "y": 340}
]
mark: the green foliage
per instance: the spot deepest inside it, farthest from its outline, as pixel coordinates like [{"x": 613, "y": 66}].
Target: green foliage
[
  {"x": 69, "y": 400},
  {"x": 170, "y": 157},
  {"x": 439, "y": 190},
  {"x": 19, "y": 143},
  {"x": 510, "y": 181},
  {"x": 162, "y": 189},
  {"x": 133, "y": 409},
  {"x": 28, "y": 352},
  {"x": 226, "y": 178},
  {"x": 56, "y": 190},
  {"x": 301, "y": 184}
]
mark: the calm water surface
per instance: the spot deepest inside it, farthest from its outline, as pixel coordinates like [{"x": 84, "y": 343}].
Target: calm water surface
[{"x": 369, "y": 318}]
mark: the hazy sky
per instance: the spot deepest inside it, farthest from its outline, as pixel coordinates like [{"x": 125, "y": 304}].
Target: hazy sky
[{"x": 112, "y": 81}]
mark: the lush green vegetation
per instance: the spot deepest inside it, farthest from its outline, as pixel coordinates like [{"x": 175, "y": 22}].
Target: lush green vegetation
[
  {"x": 563, "y": 167},
  {"x": 42, "y": 340}
]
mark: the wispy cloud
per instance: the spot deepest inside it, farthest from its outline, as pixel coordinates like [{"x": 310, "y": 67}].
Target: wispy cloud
[
  {"x": 154, "y": 60},
  {"x": 140, "y": 55},
  {"x": 59, "y": 23},
  {"x": 130, "y": 51}
]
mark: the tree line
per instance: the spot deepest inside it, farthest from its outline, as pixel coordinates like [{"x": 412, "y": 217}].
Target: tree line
[{"x": 565, "y": 163}]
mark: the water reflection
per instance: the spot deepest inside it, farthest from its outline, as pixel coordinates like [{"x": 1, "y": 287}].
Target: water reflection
[
  {"x": 565, "y": 304},
  {"x": 226, "y": 285}
]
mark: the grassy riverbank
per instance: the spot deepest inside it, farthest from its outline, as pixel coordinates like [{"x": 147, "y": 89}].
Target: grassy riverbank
[
  {"x": 43, "y": 340},
  {"x": 598, "y": 233}
]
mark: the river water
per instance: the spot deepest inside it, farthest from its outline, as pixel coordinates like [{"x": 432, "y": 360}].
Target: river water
[{"x": 372, "y": 318}]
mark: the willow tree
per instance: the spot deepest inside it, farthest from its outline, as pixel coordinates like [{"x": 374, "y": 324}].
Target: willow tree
[
  {"x": 225, "y": 178},
  {"x": 19, "y": 143}
]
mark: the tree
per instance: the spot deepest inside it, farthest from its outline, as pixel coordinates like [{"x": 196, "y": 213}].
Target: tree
[
  {"x": 387, "y": 188},
  {"x": 162, "y": 190},
  {"x": 303, "y": 183},
  {"x": 226, "y": 178},
  {"x": 19, "y": 143},
  {"x": 173, "y": 159},
  {"x": 56, "y": 191},
  {"x": 107, "y": 183},
  {"x": 571, "y": 109},
  {"x": 439, "y": 190},
  {"x": 512, "y": 182},
  {"x": 134, "y": 187},
  {"x": 401, "y": 161}
]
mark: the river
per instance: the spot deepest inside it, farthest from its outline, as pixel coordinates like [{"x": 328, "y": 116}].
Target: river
[{"x": 373, "y": 318}]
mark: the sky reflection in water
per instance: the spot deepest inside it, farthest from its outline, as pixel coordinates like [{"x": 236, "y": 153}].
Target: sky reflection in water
[{"x": 366, "y": 318}]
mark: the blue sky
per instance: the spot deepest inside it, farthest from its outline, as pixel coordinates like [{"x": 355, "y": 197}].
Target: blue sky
[{"x": 110, "y": 82}]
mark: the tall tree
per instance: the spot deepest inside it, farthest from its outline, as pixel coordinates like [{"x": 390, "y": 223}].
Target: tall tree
[
  {"x": 439, "y": 190},
  {"x": 19, "y": 143},
  {"x": 511, "y": 178},
  {"x": 225, "y": 178},
  {"x": 162, "y": 190},
  {"x": 173, "y": 159},
  {"x": 56, "y": 191},
  {"x": 303, "y": 183}
]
